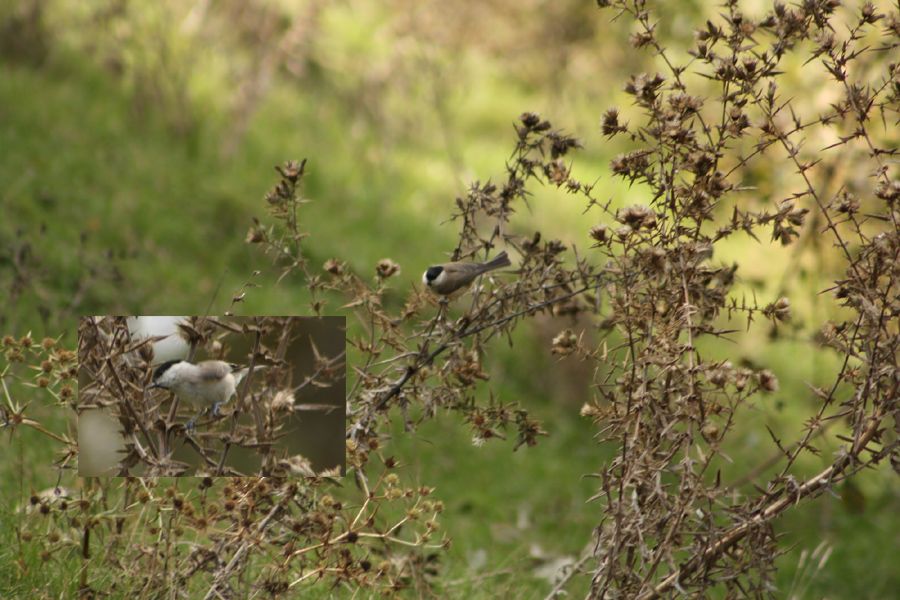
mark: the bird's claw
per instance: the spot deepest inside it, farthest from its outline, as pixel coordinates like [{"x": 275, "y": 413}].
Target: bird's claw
[{"x": 214, "y": 411}]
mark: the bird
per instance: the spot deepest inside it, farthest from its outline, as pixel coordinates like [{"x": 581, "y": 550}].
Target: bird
[
  {"x": 451, "y": 278},
  {"x": 210, "y": 383}
]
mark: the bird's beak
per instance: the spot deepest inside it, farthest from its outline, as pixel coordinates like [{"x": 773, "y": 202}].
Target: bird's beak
[{"x": 153, "y": 386}]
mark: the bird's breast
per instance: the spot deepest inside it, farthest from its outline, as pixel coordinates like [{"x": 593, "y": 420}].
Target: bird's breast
[{"x": 208, "y": 392}]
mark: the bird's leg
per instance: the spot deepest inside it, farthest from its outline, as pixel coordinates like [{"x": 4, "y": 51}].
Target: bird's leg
[
  {"x": 214, "y": 411},
  {"x": 443, "y": 304},
  {"x": 189, "y": 426}
]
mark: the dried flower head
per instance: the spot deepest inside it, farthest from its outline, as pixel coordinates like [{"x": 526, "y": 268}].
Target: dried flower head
[
  {"x": 387, "y": 268},
  {"x": 334, "y": 267},
  {"x": 565, "y": 342},
  {"x": 637, "y": 217},
  {"x": 283, "y": 400},
  {"x": 780, "y": 310},
  {"x": 767, "y": 381},
  {"x": 600, "y": 233}
]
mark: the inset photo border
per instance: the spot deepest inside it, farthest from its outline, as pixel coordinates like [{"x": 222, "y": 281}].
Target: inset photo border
[{"x": 211, "y": 396}]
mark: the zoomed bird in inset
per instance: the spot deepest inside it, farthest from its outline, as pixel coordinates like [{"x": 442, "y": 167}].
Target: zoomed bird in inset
[{"x": 211, "y": 396}]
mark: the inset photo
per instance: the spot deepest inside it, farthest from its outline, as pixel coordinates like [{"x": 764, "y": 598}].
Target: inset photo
[{"x": 211, "y": 396}]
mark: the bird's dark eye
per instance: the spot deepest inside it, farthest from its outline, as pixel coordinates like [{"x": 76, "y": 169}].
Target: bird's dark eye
[{"x": 432, "y": 273}]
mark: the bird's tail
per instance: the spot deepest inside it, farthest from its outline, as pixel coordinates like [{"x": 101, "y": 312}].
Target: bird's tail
[
  {"x": 241, "y": 371},
  {"x": 498, "y": 262}
]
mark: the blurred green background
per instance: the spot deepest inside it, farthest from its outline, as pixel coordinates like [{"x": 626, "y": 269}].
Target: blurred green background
[{"x": 138, "y": 140}]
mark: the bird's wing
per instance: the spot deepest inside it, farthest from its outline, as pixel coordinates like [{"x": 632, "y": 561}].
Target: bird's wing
[
  {"x": 462, "y": 268},
  {"x": 214, "y": 370}
]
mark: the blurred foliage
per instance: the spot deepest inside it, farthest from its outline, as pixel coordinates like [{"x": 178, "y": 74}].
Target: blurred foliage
[{"x": 136, "y": 139}]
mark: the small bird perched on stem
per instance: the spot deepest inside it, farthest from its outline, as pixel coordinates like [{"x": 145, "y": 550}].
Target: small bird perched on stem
[
  {"x": 209, "y": 382},
  {"x": 453, "y": 278}
]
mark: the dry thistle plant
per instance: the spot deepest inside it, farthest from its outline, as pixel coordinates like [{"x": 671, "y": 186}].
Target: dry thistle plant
[
  {"x": 654, "y": 291},
  {"x": 668, "y": 523},
  {"x": 232, "y": 538},
  {"x": 206, "y": 537}
]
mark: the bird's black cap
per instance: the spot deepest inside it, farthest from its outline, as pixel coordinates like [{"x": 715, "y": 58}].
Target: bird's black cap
[
  {"x": 163, "y": 368},
  {"x": 433, "y": 272}
]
